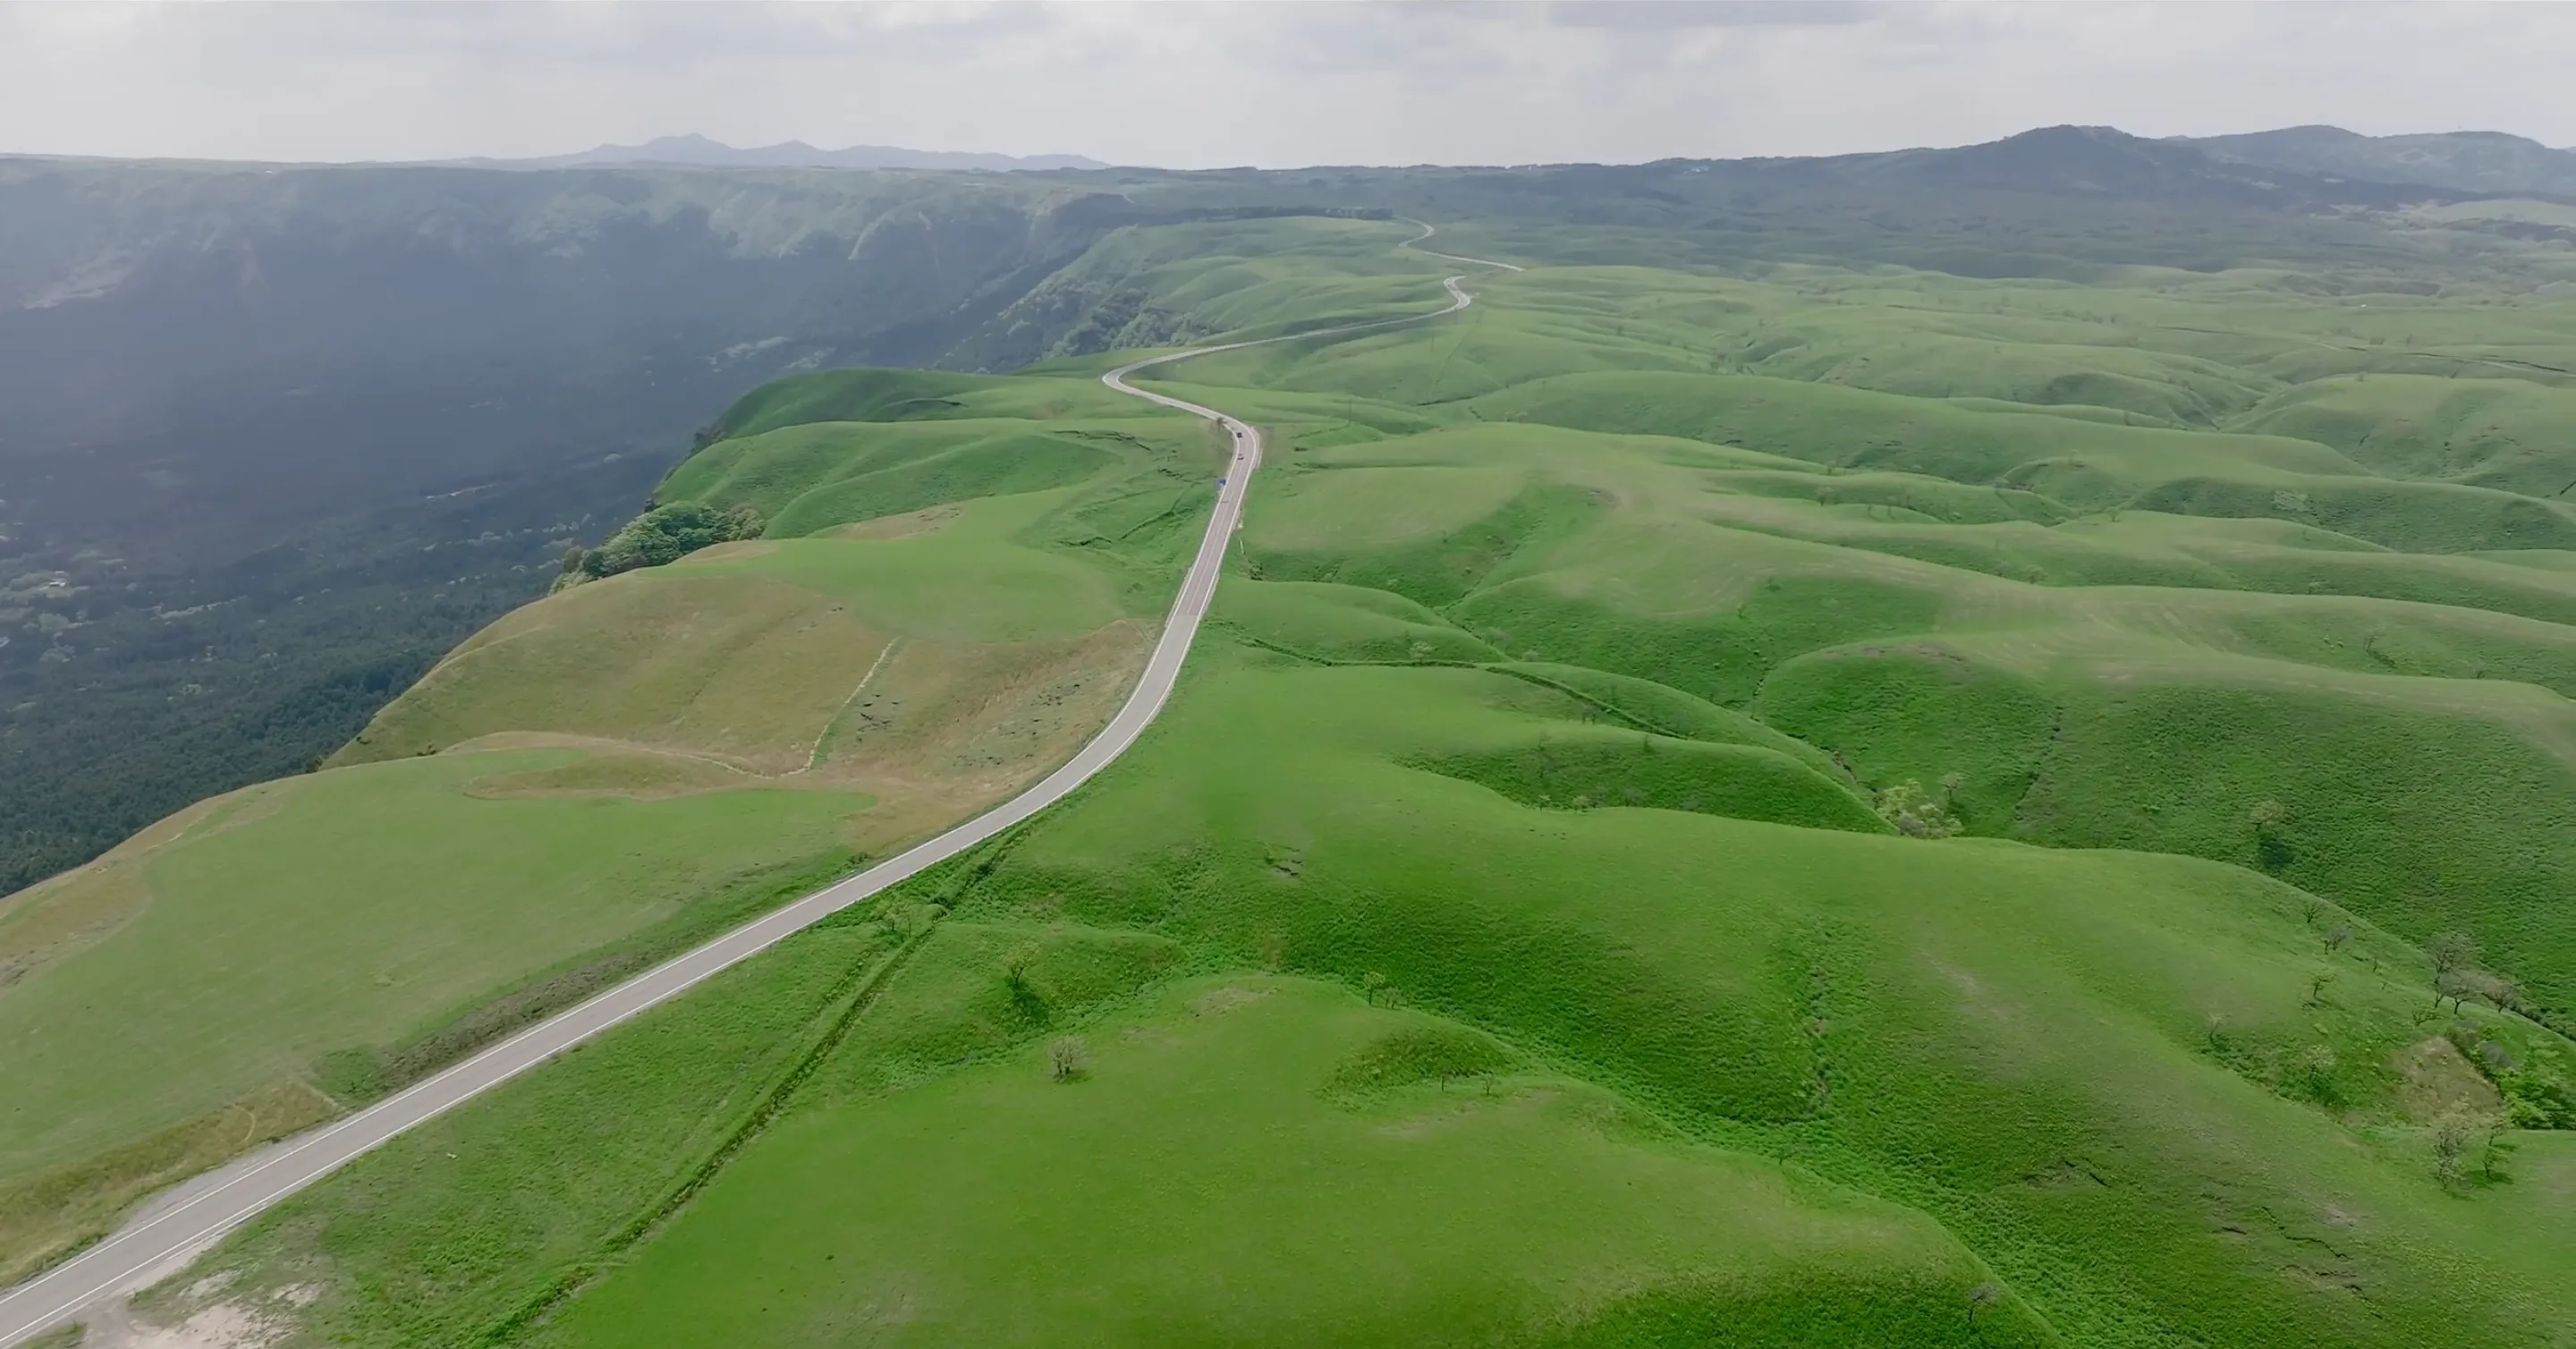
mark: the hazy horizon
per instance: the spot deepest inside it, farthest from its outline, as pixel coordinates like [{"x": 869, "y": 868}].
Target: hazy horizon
[
  {"x": 1607, "y": 81},
  {"x": 969, "y": 154}
]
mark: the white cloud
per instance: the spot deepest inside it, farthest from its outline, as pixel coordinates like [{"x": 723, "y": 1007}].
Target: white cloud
[{"x": 1264, "y": 83}]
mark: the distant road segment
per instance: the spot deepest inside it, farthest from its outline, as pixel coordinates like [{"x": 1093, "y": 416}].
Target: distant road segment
[{"x": 165, "y": 1235}]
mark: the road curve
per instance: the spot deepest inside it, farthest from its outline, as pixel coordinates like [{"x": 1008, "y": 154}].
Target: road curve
[
  {"x": 1425, "y": 226},
  {"x": 163, "y": 1236}
]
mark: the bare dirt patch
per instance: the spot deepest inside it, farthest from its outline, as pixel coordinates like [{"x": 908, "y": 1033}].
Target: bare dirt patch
[
  {"x": 1219, "y": 1001},
  {"x": 228, "y": 1324},
  {"x": 900, "y": 526},
  {"x": 2434, "y": 1080}
]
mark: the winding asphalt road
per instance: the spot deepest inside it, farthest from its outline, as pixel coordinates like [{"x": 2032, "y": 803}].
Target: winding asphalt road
[{"x": 163, "y": 1237}]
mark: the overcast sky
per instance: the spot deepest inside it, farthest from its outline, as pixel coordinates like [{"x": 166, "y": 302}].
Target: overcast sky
[{"x": 1273, "y": 84}]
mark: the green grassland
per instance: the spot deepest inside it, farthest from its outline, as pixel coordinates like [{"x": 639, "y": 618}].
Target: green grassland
[
  {"x": 2508, "y": 433},
  {"x": 2383, "y": 636},
  {"x": 1656, "y": 1073},
  {"x": 628, "y": 766},
  {"x": 1503, "y": 937},
  {"x": 1519, "y": 1213}
]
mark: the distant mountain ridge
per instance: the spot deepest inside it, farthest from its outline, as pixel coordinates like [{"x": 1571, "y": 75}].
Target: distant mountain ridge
[
  {"x": 2485, "y": 162},
  {"x": 703, "y": 152},
  {"x": 2106, "y": 163}
]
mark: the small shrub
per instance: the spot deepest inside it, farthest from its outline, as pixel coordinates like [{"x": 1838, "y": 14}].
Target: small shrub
[
  {"x": 2271, "y": 822},
  {"x": 1015, "y": 967},
  {"x": 1069, "y": 1059},
  {"x": 2318, "y": 1066},
  {"x": 1029, "y": 1002},
  {"x": 662, "y": 535},
  {"x": 1914, "y": 813}
]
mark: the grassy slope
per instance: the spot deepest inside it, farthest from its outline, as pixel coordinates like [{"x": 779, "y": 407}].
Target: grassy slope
[
  {"x": 618, "y": 769},
  {"x": 112, "y": 1043},
  {"x": 1841, "y": 1000},
  {"x": 1674, "y": 996},
  {"x": 1484, "y": 1217},
  {"x": 2494, "y": 432},
  {"x": 2135, "y": 1091}
]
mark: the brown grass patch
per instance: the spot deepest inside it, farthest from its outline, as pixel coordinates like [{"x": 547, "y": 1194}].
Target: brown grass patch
[
  {"x": 2434, "y": 1079},
  {"x": 950, "y": 727},
  {"x": 743, "y": 669},
  {"x": 607, "y": 768},
  {"x": 47, "y": 1214},
  {"x": 901, "y": 526}
]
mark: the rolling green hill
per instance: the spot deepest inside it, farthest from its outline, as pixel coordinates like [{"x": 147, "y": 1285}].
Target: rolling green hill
[
  {"x": 598, "y": 779},
  {"x": 241, "y": 517},
  {"x": 1798, "y": 807}
]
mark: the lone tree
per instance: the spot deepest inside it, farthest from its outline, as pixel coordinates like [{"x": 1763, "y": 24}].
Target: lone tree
[
  {"x": 2496, "y": 1133},
  {"x": 2336, "y": 937},
  {"x": 2271, "y": 840},
  {"x": 2455, "y": 959},
  {"x": 1068, "y": 1059},
  {"x": 1982, "y": 1296},
  {"x": 2454, "y": 1136}
]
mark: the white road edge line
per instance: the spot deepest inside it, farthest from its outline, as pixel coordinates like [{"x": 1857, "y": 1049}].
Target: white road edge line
[{"x": 156, "y": 1243}]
